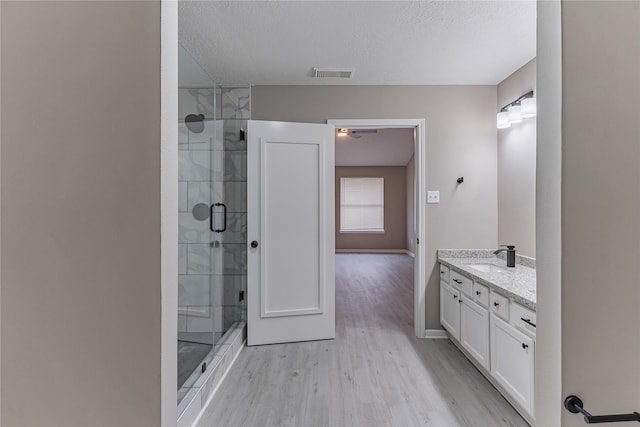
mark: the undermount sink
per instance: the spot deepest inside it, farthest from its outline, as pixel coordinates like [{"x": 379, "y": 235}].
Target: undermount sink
[{"x": 487, "y": 268}]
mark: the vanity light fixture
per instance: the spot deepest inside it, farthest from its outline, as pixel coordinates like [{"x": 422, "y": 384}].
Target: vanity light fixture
[
  {"x": 503, "y": 120},
  {"x": 528, "y": 107},
  {"x": 514, "y": 112}
]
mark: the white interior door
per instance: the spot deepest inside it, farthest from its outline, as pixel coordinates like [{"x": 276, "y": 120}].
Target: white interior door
[{"x": 290, "y": 196}]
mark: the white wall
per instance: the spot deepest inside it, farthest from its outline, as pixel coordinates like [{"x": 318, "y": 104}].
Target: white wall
[
  {"x": 548, "y": 378},
  {"x": 460, "y": 141},
  {"x": 81, "y": 276},
  {"x": 517, "y": 168},
  {"x": 601, "y": 206}
]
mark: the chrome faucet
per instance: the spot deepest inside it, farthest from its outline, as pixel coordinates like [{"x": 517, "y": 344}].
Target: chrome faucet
[{"x": 511, "y": 254}]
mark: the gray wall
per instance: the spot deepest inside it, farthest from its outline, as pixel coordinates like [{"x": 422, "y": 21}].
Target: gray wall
[
  {"x": 460, "y": 141},
  {"x": 80, "y": 213},
  {"x": 517, "y": 168},
  {"x": 394, "y": 209},
  {"x": 601, "y": 205},
  {"x": 411, "y": 204}
]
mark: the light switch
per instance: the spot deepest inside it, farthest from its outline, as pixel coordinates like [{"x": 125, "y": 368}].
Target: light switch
[{"x": 433, "y": 197}]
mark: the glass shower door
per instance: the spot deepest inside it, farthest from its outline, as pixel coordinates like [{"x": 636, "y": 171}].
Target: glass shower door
[
  {"x": 200, "y": 196},
  {"x": 212, "y": 232}
]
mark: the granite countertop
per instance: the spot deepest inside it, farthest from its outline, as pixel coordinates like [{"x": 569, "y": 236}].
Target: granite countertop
[{"x": 517, "y": 282}]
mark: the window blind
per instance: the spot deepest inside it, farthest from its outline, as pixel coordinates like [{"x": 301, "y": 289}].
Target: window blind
[{"x": 362, "y": 205}]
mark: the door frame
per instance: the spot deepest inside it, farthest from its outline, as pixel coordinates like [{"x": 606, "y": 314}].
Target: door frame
[
  {"x": 168, "y": 212},
  {"x": 420, "y": 156}
]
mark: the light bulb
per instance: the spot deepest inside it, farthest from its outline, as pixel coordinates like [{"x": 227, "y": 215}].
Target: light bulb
[
  {"x": 503, "y": 120},
  {"x": 343, "y": 132},
  {"x": 528, "y": 106},
  {"x": 515, "y": 114}
]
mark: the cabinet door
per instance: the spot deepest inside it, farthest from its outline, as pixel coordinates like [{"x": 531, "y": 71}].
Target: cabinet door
[
  {"x": 512, "y": 362},
  {"x": 450, "y": 309},
  {"x": 474, "y": 331}
]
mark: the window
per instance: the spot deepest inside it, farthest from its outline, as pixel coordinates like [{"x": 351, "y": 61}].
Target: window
[{"x": 362, "y": 205}]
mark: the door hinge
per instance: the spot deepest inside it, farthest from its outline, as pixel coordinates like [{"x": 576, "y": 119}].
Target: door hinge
[
  {"x": 417, "y": 241},
  {"x": 243, "y": 135},
  {"x": 241, "y": 296}
]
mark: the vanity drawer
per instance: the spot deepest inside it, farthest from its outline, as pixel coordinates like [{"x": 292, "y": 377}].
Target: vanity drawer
[
  {"x": 463, "y": 283},
  {"x": 523, "y": 318},
  {"x": 444, "y": 273},
  {"x": 481, "y": 294},
  {"x": 499, "y": 305}
]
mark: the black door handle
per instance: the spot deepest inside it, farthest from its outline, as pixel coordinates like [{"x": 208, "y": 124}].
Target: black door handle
[
  {"x": 211, "y": 213},
  {"x": 219, "y": 230},
  {"x": 574, "y": 405},
  {"x": 254, "y": 244}
]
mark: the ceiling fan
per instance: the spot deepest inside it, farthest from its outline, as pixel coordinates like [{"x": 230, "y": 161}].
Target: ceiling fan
[{"x": 356, "y": 133}]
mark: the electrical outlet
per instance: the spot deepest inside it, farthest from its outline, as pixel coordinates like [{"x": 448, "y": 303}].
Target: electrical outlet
[{"x": 433, "y": 197}]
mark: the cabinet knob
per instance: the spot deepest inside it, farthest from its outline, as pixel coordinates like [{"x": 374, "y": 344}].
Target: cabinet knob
[
  {"x": 525, "y": 346},
  {"x": 496, "y": 304},
  {"x": 478, "y": 293},
  {"x": 460, "y": 301},
  {"x": 455, "y": 297}
]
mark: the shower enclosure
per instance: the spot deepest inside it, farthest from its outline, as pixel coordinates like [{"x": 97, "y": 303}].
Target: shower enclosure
[{"x": 212, "y": 221}]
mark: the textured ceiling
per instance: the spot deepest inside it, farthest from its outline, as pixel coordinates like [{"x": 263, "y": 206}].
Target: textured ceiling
[
  {"x": 389, "y": 147},
  {"x": 387, "y": 42}
]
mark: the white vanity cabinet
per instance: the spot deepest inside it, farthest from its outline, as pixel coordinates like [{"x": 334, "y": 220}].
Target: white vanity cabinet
[
  {"x": 495, "y": 332},
  {"x": 474, "y": 330},
  {"x": 512, "y": 362},
  {"x": 464, "y": 319},
  {"x": 450, "y": 309}
]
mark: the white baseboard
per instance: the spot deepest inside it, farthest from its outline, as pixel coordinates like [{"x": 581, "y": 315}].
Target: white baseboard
[
  {"x": 374, "y": 251},
  {"x": 435, "y": 334},
  {"x": 411, "y": 254}
]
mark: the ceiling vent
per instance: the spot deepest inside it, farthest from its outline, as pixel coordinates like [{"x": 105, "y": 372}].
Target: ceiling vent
[{"x": 335, "y": 73}]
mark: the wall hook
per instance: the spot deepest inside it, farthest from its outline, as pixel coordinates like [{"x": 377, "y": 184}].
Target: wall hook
[{"x": 460, "y": 180}]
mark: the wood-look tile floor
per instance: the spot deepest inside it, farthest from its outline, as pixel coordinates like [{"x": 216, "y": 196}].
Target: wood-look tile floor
[{"x": 375, "y": 373}]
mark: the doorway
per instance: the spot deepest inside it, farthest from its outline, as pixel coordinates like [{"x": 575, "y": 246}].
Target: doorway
[{"x": 419, "y": 153}]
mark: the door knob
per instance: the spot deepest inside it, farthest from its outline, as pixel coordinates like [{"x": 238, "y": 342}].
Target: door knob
[{"x": 254, "y": 244}]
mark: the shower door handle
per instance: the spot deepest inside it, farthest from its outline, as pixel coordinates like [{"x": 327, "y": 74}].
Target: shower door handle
[{"x": 218, "y": 230}]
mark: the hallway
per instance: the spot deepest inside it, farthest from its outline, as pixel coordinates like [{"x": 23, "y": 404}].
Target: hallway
[{"x": 374, "y": 373}]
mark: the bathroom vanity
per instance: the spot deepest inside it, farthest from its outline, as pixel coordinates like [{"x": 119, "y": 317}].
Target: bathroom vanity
[{"x": 489, "y": 312}]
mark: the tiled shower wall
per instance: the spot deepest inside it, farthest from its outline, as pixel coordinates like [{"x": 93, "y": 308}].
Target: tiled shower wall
[{"x": 212, "y": 169}]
